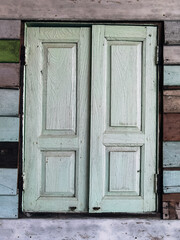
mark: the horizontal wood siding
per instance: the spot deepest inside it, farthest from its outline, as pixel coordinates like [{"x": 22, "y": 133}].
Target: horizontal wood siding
[
  {"x": 9, "y": 75},
  {"x": 9, "y": 51},
  {"x": 8, "y": 181},
  {"x": 8, "y": 154},
  {"x": 9, "y": 102},
  {"x": 171, "y": 127},
  {"x": 9, "y": 129},
  {"x": 172, "y": 101},
  {"x": 171, "y": 210},
  {"x": 172, "y": 32},
  {"x": 91, "y": 10},
  {"x": 172, "y": 75},
  {"x": 9, "y": 206},
  {"x": 10, "y": 29},
  {"x": 171, "y": 55},
  {"x": 171, "y": 153},
  {"x": 171, "y": 182}
]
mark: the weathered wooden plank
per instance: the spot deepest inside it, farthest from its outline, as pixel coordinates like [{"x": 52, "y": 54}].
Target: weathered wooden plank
[
  {"x": 172, "y": 55},
  {"x": 171, "y": 181},
  {"x": 9, "y": 129},
  {"x": 9, "y": 75},
  {"x": 9, "y": 51},
  {"x": 10, "y": 29},
  {"x": 171, "y": 127},
  {"x": 171, "y": 154},
  {"x": 9, "y": 206},
  {"x": 9, "y": 102},
  {"x": 8, "y": 181},
  {"x": 172, "y": 75},
  {"x": 172, "y": 32},
  {"x": 8, "y": 154},
  {"x": 169, "y": 197},
  {"x": 171, "y": 210},
  {"x": 171, "y": 101},
  {"x": 94, "y": 10}
]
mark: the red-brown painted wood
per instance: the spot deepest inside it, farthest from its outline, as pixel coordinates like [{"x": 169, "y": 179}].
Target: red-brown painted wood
[
  {"x": 171, "y": 127},
  {"x": 171, "y": 101},
  {"x": 9, "y": 75},
  {"x": 10, "y": 29}
]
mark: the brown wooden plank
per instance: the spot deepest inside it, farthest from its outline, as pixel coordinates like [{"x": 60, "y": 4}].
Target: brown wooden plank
[
  {"x": 171, "y": 197},
  {"x": 91, "y": 10},
  {"x": 171, "y": 127},
  {"x": 172, "y": 32},
  {"x": 171, "y": 54},
  {"x": 171, "y": 210},
  {"x": 10, "y": 29},
  {"x": 8, "y": 154},
  {"x": 171, "y": 101},
  {"x": 9, "y": 75}
]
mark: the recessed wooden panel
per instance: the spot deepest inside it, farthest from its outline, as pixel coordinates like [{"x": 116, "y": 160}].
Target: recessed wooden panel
[
  {"x": 171, "y": 154},
  {"x": 8, "y": 181},
  {"x": 9, "y": 129},
  {"x": 171, "y": 101},
  {"x": 9, "y": 206},
  {"x": 8, "y": 154},
  {"x": 9, "y": 51},
  {"x": 171, "y": 55},
  {"x": 9, "y": 75},
  {"x": 124, "y": 172},
  {"x": 59, "y": 175},
  {"x": 126, "y": 84},
  {"x": 172, "y": 75},
  {"x": 61, "y": 86},
  {"x": 10, "y": 29},
  {"x": 171, "y": 181},
  {"x": 9, "y": 102},
  {"x": 172, "y": 32},
  {"x": 171, "y": 127}
]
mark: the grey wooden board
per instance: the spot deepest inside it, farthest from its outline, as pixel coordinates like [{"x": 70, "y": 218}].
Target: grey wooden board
[
  {"x": 171, "y": 154},
  {"x": 10, "y": 29},
  {"x": 171, "y": 181},
  {"x": 171, "y": 55},
  {"x": 9, "y": 206},
  {"x": 95, "y": 10},
  {"x": 171, "y": 75},
  {"x": 172, "y": 32},
  {"x": 8, "y": 181},
  {"x": 9, "y": 129},
  {"x": 9, "y": 102},
  {"x": 9, "y": 74}
]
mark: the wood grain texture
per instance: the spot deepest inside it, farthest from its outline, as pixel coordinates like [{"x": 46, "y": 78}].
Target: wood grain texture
[
  {"x": 171, "y": 210},
  {"x": 171, "y": 181},
  {"x": 9, "y": 129},
  {"x": 172, "y": 32},
  {"x": 9, "y": 75},
  {"x": 9, "y": 51},
  {"x": 172, "y": 75},
  {"x": 171, "y": 100},
  {"x": 171, "y": 154},
  {"x": 171, "y": 197},
  {"x": 8, "y": 154},
  {"x": 171, "y": 127},
  {"x": 10, "y": 29},
  {"x": 8, "y": 181},
  {"x": 88, "y": 9},
  {"x": 9, "y": 206},
  {"x": 9, "y": 102},
  {"x": 171, "y": 55}
]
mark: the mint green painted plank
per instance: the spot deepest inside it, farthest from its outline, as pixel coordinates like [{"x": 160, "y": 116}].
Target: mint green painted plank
[
  {"x": 171, "y": 154},
  {"x": 9, "y": 51},
  {"x": 172, "y": 75},
  {"x": 9, "y": 129},
  {"x": 9, "y": 206},
  {"x": 8, "y": 181},
  {"x": 171, "y": 181},
  {"x": 9, "y": 102}
]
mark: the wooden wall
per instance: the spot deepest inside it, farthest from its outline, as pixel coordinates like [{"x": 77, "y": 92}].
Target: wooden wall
[
  {"x": 171, "y": 122},
  {"x": 9, "y": 116}
]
